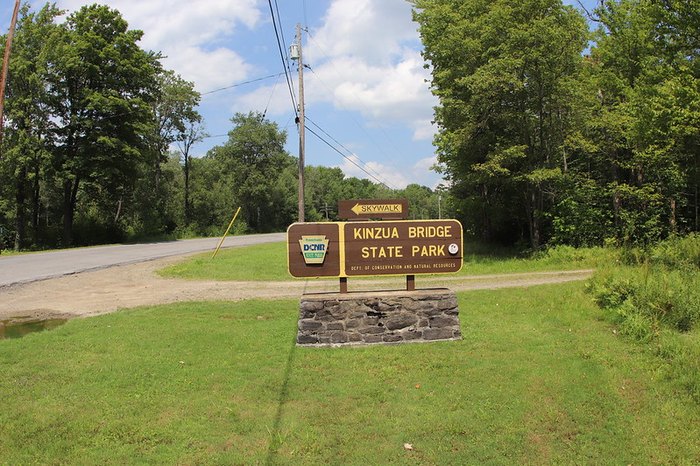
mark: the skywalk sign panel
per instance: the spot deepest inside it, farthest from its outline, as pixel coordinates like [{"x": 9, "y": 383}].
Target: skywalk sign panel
[{"x": 385, "y": 209}]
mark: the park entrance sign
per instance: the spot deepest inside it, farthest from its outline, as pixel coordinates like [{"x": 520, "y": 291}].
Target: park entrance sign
[
  {"x": 348, "y": 249},
  {"x": 365, "y": 247}
]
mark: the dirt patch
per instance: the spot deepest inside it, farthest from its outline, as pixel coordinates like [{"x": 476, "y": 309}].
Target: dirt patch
[{"x": 108, "y": 290}]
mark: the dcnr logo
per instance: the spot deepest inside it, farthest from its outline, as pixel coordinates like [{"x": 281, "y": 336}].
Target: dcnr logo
[{"x": 314, "y": 249}]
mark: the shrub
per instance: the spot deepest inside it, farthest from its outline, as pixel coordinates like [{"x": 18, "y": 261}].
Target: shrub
[{"x": 655, "y": 300}]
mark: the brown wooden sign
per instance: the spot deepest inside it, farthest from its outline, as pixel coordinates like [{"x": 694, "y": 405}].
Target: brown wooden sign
[
  {"x": 313, "y": 250},
  {"x": 403, "y": 247},
  {"x": 347, "y": 249},
  {"x": 365, "y": 209}
]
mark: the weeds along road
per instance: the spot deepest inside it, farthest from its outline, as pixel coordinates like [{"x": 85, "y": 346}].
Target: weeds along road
[{"x": 27, "y": 268}]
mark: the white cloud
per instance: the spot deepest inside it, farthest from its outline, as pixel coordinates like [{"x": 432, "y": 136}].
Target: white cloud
[
  {"x": 419, "y": 173},
  {"x": 195, "y": 64},
  {"x": 379, "y": 173},
  {"x": 191, "y": 35},
  {"x": 395, "y": 92},
  {"x": 371, "y": 29},
  {"x": 274, "y": 98},
  {"x": 366, "y": 58}
]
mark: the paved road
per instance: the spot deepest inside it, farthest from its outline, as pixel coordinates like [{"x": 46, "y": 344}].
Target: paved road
[{"x": 40, "y": 266}]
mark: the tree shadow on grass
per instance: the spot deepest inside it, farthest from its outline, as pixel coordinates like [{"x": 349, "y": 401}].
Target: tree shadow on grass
[{"x": 275, "y": 434}]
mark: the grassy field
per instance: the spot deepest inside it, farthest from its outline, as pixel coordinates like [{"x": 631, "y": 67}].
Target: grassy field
[
  {"x": 266, "y": 262},
  {"x": 538, "y": 378}
]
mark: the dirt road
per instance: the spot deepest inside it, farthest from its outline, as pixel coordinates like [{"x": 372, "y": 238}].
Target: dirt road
[{"x": 107, "y": 290}]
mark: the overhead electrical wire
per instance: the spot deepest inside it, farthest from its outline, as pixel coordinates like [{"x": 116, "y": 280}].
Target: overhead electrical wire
[
  {"x": 272, "y": 93},
  {"x": 349, "y": 158},
  {"x": 282, "y": 56},
  {"x": 369, "y": 136},
  {"x": 242, "y": 83},
  {"x": 348, "y": 151}
]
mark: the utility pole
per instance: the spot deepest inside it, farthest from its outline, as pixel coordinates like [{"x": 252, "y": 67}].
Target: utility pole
[
  {"x": 302, "y": 122},
  {"x": 5, "y": 66}
]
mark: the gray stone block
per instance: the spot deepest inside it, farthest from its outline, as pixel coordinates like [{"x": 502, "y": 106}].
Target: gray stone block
[
  {"x": 400, "y": 321},
  {"x": 307, "y": 339},
  {"x": 309, "y": 325},
  {"x": 447, "y": 303},
  {"x": 412, "y": 335},
  {"x": 392, "y": 338},
  {"x": 335, "y": 326},
  {"x": 309, "y": 306},
  {"x": 352, "y": 323},
  {"x": 372, "y": 339},
  {"x": 378, "y": 317},
  {"x": 371, "y": 330},
  {"x": 438, "y": 334},
  {"x": 443, "y": 321},
  {"x": 339, "y": 337}
]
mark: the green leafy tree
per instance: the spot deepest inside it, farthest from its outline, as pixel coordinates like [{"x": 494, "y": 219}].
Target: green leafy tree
[
  {"x": 191, "y": 133},
  {"x": 505, "y": 74},
  {"x": 102, "y": 85},
  {"x": 27, "y": 135},
  {"x": 641, "y": 130},
  {"x": 177, "y": 120},
  {"x": 248, "y": 167}
]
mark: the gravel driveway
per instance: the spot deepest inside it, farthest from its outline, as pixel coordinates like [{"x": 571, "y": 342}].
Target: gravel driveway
[{"x": 109, "y": 289}]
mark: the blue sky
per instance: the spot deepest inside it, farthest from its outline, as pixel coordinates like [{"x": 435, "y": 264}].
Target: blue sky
[{"x": 365, "y": 87}]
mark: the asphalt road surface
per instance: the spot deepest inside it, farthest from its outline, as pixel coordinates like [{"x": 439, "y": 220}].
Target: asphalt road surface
[{"x": 28, "y": 268}]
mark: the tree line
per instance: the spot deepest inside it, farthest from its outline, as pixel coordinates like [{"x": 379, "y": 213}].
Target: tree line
[
  {"x": 98, "y": 138},
  {"x": 564, "y": 126}
]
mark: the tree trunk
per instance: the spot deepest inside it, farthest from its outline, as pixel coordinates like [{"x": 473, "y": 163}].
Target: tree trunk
[
  {"x": 616, "y": 209},
  {"x": 533, "y": 221},
  {"x": 36, "y": 205},
  {"x": 70, "y": 195},
  {"x": 20, "y": 208},
  {"x": 487, "y": 233},
  {"x": 672, "y": 220},
  {"x": 187, "y": 189}
]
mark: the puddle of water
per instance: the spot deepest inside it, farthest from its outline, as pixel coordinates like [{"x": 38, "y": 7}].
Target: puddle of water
[{"x": 20, "y": 329}]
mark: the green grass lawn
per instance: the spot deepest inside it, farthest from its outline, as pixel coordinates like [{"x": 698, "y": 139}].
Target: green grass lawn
[
  {"x": 538, "y": 378},
  {"x": 267, "y": 262}
]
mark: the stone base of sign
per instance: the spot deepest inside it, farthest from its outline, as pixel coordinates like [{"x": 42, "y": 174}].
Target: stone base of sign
[{"x": 334, "y": 319}]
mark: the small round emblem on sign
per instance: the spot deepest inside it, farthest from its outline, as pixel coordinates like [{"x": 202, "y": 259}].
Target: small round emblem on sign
[{"x": 453, "y": 248}]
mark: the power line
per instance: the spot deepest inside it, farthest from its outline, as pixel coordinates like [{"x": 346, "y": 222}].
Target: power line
[
  {"x": 272, "y": 93},
  {"x": 345, "y": 148},
  {"x": 282, "y": 56},
  {"x": 392, "y": 145},
  {"x": 242, "y": 83},
  {"x": 349, "y": 159}
]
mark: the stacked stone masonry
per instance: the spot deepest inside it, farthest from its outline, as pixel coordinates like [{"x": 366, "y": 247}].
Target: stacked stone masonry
[{"x": 378, "y": 317}]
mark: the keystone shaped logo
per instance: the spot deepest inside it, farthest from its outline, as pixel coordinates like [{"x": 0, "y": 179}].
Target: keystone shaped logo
[{"x": 314, "y": 249}]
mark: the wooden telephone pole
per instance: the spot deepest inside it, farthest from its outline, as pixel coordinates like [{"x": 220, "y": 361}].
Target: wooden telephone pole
[
  {"x": 302, "y": 123},
  {"x": 5, "y": 66}
]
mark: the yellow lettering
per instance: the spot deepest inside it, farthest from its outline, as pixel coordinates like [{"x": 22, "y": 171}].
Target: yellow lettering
[
  {"x": 381, "y": 252},
  {"x": 375, "y": 233},
  {"x": 430, "y": 232},
  {"x": 431, "y": 250}
]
